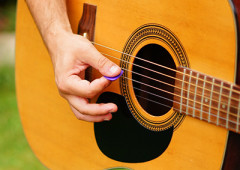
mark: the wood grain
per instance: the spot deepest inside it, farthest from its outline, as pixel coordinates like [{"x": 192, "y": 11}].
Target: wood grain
[{"x": 205, "y": 28}]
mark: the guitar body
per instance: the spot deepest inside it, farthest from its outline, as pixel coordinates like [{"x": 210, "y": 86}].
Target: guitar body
[{"x": 201, "y": 35}]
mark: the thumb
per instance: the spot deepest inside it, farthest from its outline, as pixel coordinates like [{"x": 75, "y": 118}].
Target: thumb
[{"x": 105, "y": 66}]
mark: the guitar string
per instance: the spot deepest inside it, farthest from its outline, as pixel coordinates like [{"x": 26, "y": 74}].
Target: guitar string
[
  {"x": 179, "y": 96},
  {"x": 158, "y": 64},
  {"x": 235, "y": 91},
  {"x": 222, "y": 95},
  {"x": 230, "y": 128},
  {"x": 184, "y": 97},
  {"x": 169, "y": 69},
  {"x": 207, "y": 113},
  {"x": 165, "y": 82}
]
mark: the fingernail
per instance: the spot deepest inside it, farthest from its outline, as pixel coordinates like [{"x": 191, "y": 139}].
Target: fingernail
[
  {"x": 107, "y": 119},
  {"x": 113, "y": 69}
]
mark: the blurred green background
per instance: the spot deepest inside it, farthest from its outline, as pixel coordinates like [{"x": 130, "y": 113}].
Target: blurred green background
[{"x": 15, "y": 152}]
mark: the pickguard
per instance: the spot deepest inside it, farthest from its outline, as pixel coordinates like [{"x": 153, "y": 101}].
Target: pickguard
[{"x": 124, "y": 139}]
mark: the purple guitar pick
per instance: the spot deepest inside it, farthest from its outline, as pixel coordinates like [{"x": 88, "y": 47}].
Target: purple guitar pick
[{"x": 114, "y": 78}]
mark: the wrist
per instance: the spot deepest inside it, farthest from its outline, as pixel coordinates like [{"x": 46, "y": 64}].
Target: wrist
[{"x": 52, "y": 33}]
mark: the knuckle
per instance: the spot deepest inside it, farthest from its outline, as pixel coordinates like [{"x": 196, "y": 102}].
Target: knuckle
[
  {"x": 62, "y": 87},
  {"x": 86, "y": 46},
  {"x": 91, "y": 93},
  {"x": 78, "y": 116},
  {"x": 102, "y": 62}
]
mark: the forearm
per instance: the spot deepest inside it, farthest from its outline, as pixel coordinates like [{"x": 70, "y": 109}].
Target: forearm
[
  {"x": 50, "y": 17},
  {"x": 71, "y": 54}
]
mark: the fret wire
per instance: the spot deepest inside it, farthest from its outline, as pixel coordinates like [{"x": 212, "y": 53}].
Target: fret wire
[
  {"x": 220, "y": 124},
  {"x": 219, "y": 104},
  {"x": 189, "y": 80},
  {"x": 182, "y": 90},
  {"x": 194, "y": 101},
  {"x": 210, "y": 102},
  {"x": 229, "y": 102},
  {"x": 204, "y": 82}
]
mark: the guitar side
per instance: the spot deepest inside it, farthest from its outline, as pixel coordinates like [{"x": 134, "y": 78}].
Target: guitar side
[
  {"x": 232, "y": 156},
  {"x": 61, "y": 141}
]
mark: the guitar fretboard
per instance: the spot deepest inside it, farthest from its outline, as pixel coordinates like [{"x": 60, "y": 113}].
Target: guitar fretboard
[{"x": 207, "y": 98}]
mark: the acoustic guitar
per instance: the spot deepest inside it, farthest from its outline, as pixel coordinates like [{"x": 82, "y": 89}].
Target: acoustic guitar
[{"x": 178, "y": 98}]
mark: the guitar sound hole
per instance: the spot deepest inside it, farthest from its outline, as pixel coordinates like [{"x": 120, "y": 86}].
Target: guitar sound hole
[{"x": 154, "y": 100}]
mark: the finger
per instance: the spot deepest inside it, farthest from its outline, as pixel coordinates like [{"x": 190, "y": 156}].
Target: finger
[
  {"x": 86, "y": 108},
  {"x": 90, "y": 118},
  {"x": 105, "y": 66},
  {"x": 76, "y": 86}
]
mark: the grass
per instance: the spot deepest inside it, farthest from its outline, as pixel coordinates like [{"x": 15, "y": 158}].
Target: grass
[
  {"x": 14, "y": 150},
  {"x": 15, "y": 153}
]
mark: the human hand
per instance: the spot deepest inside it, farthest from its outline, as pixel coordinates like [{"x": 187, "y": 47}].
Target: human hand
[{"x": 71, "y": 54}]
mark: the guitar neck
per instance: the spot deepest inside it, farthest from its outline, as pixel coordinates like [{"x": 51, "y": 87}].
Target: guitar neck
[{"x": 207, "y": 98}]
